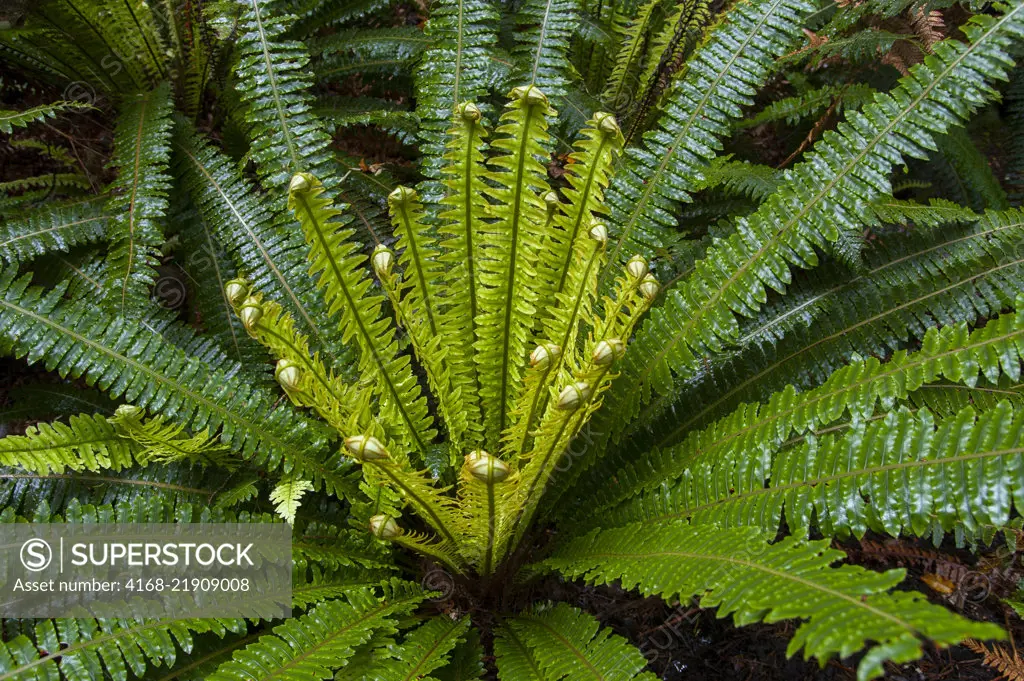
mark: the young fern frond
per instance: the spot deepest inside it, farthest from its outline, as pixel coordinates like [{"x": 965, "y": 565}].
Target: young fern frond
[
  {"x": 346, "y": 289},
  {"x": 417, "y": 296},
  {"x": 86, "y": 443},
  {"x": 287, "y": 497},
  {"x": 845, "y": 608},
  {"x": 462, "y": 222},
  {"x": 591, "y": 375},
  {"x": 163, "y": 443},
  {"x": 509, "y": 267},
  {"x": 266, "y": 250},
  {"x": 139, "y": 199}
]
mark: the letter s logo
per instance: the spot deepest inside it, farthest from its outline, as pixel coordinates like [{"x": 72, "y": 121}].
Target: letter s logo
[{"x": 36, "y": 555}]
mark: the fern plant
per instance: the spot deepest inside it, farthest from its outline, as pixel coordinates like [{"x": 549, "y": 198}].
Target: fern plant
[{"x": 519, "y": 378}]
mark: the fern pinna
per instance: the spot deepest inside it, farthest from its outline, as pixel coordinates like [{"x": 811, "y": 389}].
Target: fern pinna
[{"x": 454, "y": 387}]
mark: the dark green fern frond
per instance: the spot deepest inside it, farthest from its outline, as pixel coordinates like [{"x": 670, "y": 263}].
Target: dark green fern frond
[
  {"x": 968, "y": 274},
  {"x": 541, "y": 44},
  {"x": 113, "y": 648},
  {"x": 902, "y": 473},
  {"x": 383, "y": 52},
  {"x": 321, "y": 641},
  {"x": 341, "y": 113},
  {"x": 810, "y": 104},
  {"x": 130, "y": 360},
  {"x": 562, "y": 642},
  {"x": 21, "y": 119},
  {"x": 699, "y": 317},
  {"x": 952, "y": 353},
  {"x": 845, "y": 608},
  {"x": 54, "y": 228},
  {"x": 722, "y": 77},
  {"x": 422, "y": 651},
  {"x": 272, "y": 79},
  {"x": 139, "y": 198},
  {"x": 961, "y": 173}
]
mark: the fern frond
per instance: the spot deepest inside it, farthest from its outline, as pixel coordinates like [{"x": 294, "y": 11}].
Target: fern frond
[
  {"x": 344, "y": 112},
  {"x": 455, "y": 69},
  {"x": 346, "y": 288},
  {"x": 952, "y": 353},
  {"x": 113, "y": 648},
  {"x": 161, "y": 442},
  {"x": 266, "y": 249},
  {"x": 53, "y": 228},
  {"x": 386, "y": 52},
  {"x": 208, "y": 268},
  {"x": 811, "y": 104},
  {"x": 321, "y": 641},
  {"x": 423, "y": 650},
  {"x": 287, "y": 497},
  {"x": 722, "y": 77},
  {"x": 129, "y": 360},
  {"x": 967, "y": 274},
  {"x": 510, "y": 291},
  {"x": 904, "y": 473},
  {"x": 633, "y": 36},
  {"x": 416, "y": 296},
  {"x": 699, "y": 317},
  {"x": 272, "y": 79},
  {"x": 666, "y": 54},
  {"x": 563, "y": 642},
  {"x": 21, "y": 119},
  {"x": 139, "y": 200},
  {"x": 541, "y": 45},
  {"x": 462, "y": 221},
  {"x": 963, "y": 174},
  {"x": 846, "y": 608},
  {"x": 86, "y": 442}
]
